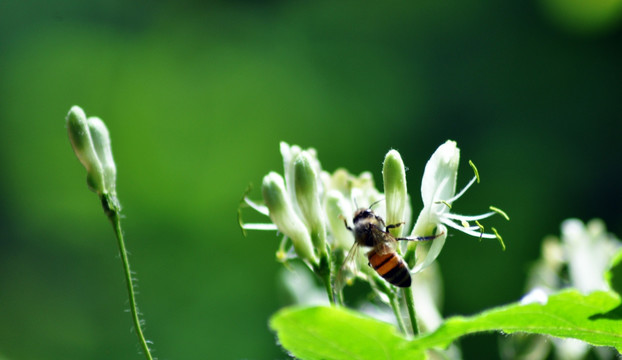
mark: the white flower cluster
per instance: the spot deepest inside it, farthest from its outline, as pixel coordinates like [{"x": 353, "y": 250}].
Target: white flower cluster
[
  {"x": 586, "y": 251},
  {"x": 308, "y": 205}
]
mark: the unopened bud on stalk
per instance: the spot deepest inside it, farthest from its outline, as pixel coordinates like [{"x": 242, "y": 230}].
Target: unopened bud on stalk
[
  {"x": 338, "y": 209},
  {"x": 308, "y": 198},
  {"x": 84, "y": 148},
  {"x": 285, "y": 218},
  {"x": 396, "y": 195},
  {"x": 101, "y": 142}
]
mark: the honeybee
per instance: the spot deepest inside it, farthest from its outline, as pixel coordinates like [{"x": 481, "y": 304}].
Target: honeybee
[{"x": 370, "y": 230}]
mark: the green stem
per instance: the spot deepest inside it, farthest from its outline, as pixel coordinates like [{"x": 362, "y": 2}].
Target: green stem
[
  {"x": 395, "y": 305},
  {"x": 113, "y": 215},
  {"x": 324, "y": 270},
  {"x": 337, "y": 257},
  {"x": 382, "y": 286},
  {"x": 329, "y": 288},
  {"x": 410, "y": 305}
]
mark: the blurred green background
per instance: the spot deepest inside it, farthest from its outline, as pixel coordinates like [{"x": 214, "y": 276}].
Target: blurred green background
[{"x": 197, "y": 96}]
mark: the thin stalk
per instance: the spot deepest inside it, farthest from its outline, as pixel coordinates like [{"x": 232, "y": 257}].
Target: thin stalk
[
  {"x": 409, "y": 257},
  {"x": 382, "y": 286},
  {"x": 329, "y": 288},
  {"x": 114, "y": 217},
  {"x": 337, "y": 259},
  {"x": 410, "y": 305},
  {"x": 324, "y": 271},
  {"x": 395, "y": 305}
]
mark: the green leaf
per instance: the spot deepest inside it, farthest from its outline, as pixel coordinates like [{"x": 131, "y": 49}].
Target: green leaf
[
  {"x": 336, "y": 333},
  {"x": 595, "y": 318},
  {"x": 614, "y": 275}
]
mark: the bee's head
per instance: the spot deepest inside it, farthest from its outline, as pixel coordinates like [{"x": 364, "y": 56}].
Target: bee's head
[{"x": 362, "y": 214}]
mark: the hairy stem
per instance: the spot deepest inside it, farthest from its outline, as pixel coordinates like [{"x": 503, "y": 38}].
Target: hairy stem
[{"x": 113, "y": 215}]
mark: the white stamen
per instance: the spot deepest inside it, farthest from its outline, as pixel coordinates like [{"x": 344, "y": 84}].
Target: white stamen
[
  {"x": 259, "y": 227},
  {"x": 464, "y": 189},
  {"x": 469, "y": 217},
  {"x": 467, "y": 230},
  {"x": 262, "y": 209}
]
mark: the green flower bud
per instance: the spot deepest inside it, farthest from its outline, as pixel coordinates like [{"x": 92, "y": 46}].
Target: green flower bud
[
  {"x": 337, "y": 209},
  {"x": 394, "y": 177},
  {"x": 101, "y": 142},
  {"x": 82, "y": 143},
  {"x": 285, "y": 218},
  {"x": 308, "y": 198}
]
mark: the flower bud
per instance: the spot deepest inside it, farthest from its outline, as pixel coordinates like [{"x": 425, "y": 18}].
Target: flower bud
[
  {"x": 308, "y": 198},
  {"x": 101, "y": 143},
  {"x": 289, "y": 153},
  {"x": 394, "y": 177},
  {"x": 284, "y": 216},
  {"x": 337, "y": 209},
  {"x": 83, "y": 147}
]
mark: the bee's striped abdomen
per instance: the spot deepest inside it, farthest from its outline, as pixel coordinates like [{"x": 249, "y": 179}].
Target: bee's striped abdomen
[{"x": 391, "y": 267}]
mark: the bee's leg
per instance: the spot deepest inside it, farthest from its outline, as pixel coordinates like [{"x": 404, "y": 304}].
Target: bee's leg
[
  {"x": 345, "y": 222},
  {"x": 420, "y": 238},
  {"x": 392, "y": 226}
]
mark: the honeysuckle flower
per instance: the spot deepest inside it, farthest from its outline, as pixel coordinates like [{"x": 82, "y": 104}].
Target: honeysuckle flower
[
  {"x": 586, "y": 250},
  {"x": 282, "y": 214},
  {"x": 300, "y": 213},
  {"x": 438, "y": 192},
  {"x": 319, "y": 200}
]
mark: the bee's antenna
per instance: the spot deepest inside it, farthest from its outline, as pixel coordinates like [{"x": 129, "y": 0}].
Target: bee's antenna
[{"x": 374, "y": 203}]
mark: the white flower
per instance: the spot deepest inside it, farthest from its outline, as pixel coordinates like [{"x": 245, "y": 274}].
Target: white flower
[
  {"x": 587, "y": 251},
  {"x": 283, "y": 216},
  {"x": 294, "y": 204},
  {"x": 438, "y": 192}
]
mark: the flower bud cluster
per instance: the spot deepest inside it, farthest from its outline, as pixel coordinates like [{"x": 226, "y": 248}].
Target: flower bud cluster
[
  {"x": 90, "y": 140},
  {"x": 309, "y": 205}
]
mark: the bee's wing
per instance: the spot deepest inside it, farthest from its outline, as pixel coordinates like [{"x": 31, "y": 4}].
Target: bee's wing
[
  {"x": 385, "y": 242},
  {"x": 349, "y": 266}
]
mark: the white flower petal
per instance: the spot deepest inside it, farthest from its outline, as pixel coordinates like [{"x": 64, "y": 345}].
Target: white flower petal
[
  {"x": 289, "y": 153},
  {"x": 439, "y": 176},
  {"x": 433, "y": 251},
  {"x": 537, "y": 296}
]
